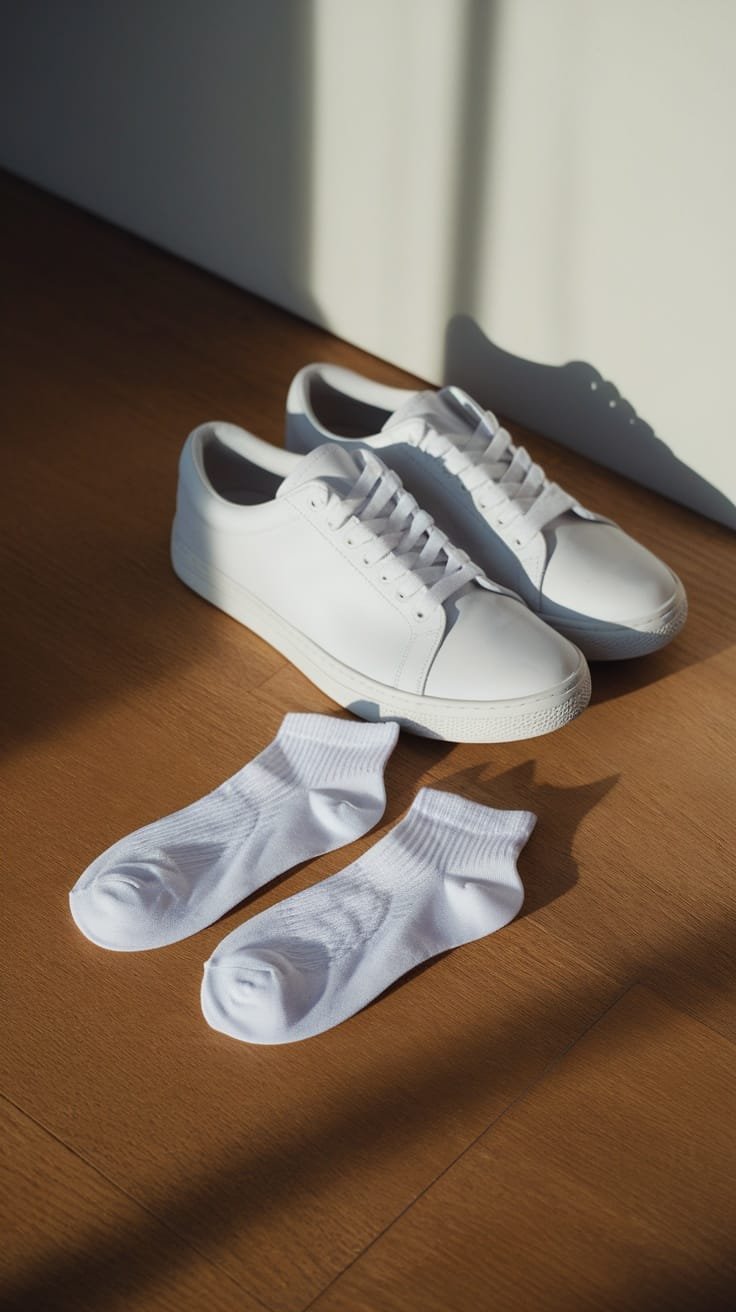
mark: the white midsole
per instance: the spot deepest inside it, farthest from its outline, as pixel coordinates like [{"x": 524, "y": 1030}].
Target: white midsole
[{"x": 453, "y": 720}]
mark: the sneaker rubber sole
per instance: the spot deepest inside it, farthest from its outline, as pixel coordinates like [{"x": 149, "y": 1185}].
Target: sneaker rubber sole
[{"x": 431, "y": 717}]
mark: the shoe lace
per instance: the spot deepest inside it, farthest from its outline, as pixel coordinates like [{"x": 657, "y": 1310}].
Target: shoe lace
[
  {"x": 500, "y": 476},
  {"x": 390, "y": 527}
]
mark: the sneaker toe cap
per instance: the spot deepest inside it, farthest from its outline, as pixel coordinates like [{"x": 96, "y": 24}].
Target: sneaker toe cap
[
  {"x": 596, "y": 570},
  {"x": 496, "y": 649}
]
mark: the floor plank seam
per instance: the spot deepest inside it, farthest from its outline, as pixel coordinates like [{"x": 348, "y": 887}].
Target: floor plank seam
[
  {"x": 643, "y": 980},
  {"x": 555, "y": 1061},
  {"x": 125, "y": 1193},
  {"x": 661, "y": 993},
  {"x": 539, "y": 1079}
]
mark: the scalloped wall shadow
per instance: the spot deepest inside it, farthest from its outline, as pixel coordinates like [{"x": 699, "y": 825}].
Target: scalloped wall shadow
[{"x": 576, "y": 406}]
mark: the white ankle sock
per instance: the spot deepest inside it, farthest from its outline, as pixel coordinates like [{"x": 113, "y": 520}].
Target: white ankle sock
[
  {"x": 444, "y": 876},
  {"x": 318, "y": 785}
]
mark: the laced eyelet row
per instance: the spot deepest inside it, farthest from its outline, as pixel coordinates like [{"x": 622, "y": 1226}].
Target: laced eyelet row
[
  {"x": 350, "y": 542},
  {"x": 500, "y": 522},
  {"x": 418, "y": 613},
  {"x": 384, "y": 578},
  {"x": 317, "y": 503}
]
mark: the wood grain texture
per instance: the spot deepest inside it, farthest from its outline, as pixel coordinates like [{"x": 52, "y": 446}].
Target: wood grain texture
[
  {"x": 609, "y": 1186},
  {"x": 73, "y": 1241},
  {"x": 126, "y": 697}
]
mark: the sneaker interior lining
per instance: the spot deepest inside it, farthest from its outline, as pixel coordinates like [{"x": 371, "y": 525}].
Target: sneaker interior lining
[
  {"x": 345, "y": 415},
  {"x": 236, "y": 478}
]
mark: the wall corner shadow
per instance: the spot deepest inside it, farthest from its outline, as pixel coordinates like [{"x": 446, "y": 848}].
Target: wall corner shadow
[{"x": 573, "y": 404}]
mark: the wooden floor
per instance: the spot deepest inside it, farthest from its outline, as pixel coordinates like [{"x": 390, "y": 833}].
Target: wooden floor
[{"x": 542, "y": 1120}]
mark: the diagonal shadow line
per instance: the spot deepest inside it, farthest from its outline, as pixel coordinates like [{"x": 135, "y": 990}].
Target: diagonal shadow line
[
  {"x": 222, "y": 1199},
  {"x": 239, "y": 1185},
  {"x": 571, "y": 403},
  {"x": 698, "y": 1289},
  {"x": 122, "y": 1272},
  {"x": 500, "y": 1116}
]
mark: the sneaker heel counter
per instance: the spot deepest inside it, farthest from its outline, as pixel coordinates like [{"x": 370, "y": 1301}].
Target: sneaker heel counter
[
  {"x": 299, "y": 433},
  {"x": 297, "y": 426},
  {"x": 189, "y": 527}
]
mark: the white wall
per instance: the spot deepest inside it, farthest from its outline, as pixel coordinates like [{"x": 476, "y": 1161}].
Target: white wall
[{"x": 532, "y": 196}]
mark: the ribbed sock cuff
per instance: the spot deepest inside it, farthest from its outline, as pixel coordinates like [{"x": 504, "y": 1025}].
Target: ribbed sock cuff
[
  {"x": 447, "y": 809},
  {"x": 317, "y": 737}
]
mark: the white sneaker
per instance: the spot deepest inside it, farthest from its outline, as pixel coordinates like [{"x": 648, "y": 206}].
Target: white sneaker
[
  {"x": 330, "y": 559},
  {"x": 578, "y": 571}
]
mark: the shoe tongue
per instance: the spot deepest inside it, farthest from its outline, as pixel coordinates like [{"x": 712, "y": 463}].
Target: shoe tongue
[
  {"x": 449, "y": 410},
  {"x": 335, "y": 464}
]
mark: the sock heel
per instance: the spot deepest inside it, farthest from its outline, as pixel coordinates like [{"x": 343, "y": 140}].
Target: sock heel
[
  {"x": 344, "y": 814},
  {"x": 479, "y": 904}
]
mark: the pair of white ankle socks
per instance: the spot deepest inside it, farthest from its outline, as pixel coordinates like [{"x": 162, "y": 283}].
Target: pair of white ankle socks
[{"x": 445, "y": 875}]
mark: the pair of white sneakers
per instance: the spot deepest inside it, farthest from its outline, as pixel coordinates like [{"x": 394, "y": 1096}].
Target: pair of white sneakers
[{"x": 414, "y": 563}]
